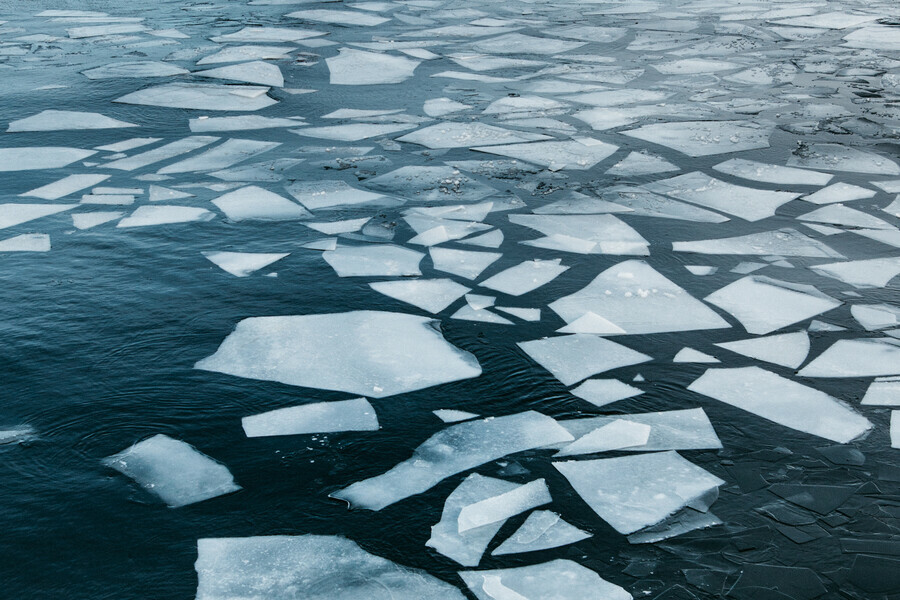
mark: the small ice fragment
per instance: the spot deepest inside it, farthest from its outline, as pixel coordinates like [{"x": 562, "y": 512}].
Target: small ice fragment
[
  {"x": 839, "y": 192},
  {"x": 242, "y": 264},
  {"x": 572, "y": 358},
  {"x": 503, "y": 506},
  {"x": 542, "y": 530},
  {"x": 836, "y": 157},
  {"x": 452, "y": 134},
  {"x": 555, "y": 580},
  {"x": 784, "y": 242},
  {"x": 158, "y": 193},
  {"x": 884, "y": 391},
  {"x": 159, "y": 214},
  {"x": 704, "y": 138},
  {"x": 65, "y": 186},
  {"x": 526, "y": 314},
  {"x": 255, "y": 203},
  {"x": 766, "y": 173},
  {"x": 432, "y": 295},
  {"x": 336, "y": 227},
  {"x": 201, "y": 96},
  {"x": 866, "y": 357},
  {"x": 525, "y": 277},
  {"x": 40, "y": 157},
  {"x": 449, "y": 415},
  {"x": 592, "y": 323},
  {"x": 92, "y": 219},
  {"x": 26, "y": 242},
  {"x": 689, "y": 355},
  {"x": 477, "y": 301},
  {"x": 621, "y": 434},
  {"x": 358, "y": 67},
  {"x": 601, "y": 392},
  {"x": 491, "y": 239},
  {"x": 669, "y": 430},
  {"x": 862, "y": 274},
  {"x": 876, "y": 316},
  {"x": 463, "y": 263},
  {"x": 373, "y": 261},
  {"x": 438, "y": 107},
  {"x": 62, "y": 120},
  {"x": 12, "y": 214},
  {"x": 786, "y": 349},
  {"x": 321, "y": 417},
  {"x": 480, "y": 315},
  {"x": 161, "y": 153},
  {"x": 701, "y": 270},
  {"x": 173, "y": 470}
]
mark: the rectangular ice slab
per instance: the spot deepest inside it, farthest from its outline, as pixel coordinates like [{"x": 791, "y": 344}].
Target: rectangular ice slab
[
  {"x": 503, "y": 506},
  {"x": 453, "y": 450},
  {"x": 375, "y": 260},
  {"x": 783, "y": 401},
  {"x": 173, "y": 470},
  {"x": 637, "y": 491},
  {"x": 374, "y": 353},
  {"x": 321, "y": 417},
  {"x": 636, "y": 298},
  {"x": 554, "y": 580},
  {"x": 311, "y": 567}
]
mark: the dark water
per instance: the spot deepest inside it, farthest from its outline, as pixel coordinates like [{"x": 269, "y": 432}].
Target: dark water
[{"x": 99, "y": 336}]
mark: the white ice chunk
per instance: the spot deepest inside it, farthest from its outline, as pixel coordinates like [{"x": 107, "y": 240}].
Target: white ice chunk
[
  {"x": 242, "y": 264},
  {"x": 640, "y": 201},
  {"x": 601, "y": 392},
  {"x": 856, "y": 358},
  {"x": 255, "y": 203},
  {"x": 526, "y": 314},
  {"x": 61, "y": 120},
  {"x": 40, "y": 157},
  {"x": 458, "y": 212},
  {"x": 246, "y": 53},
  {"x": 358, "y": 67},
  {"x": 170, "y": 150},
  {"x": 517, "y": 43},
  {"x": 65, "y": 186},
  {"x": 455, "y": 449},
  {"x": 479, "y": 315},
  {"x": 592, "y": 323},
  {"x": 542, "y": 530},
  {"x": 313, "y": 567},
  {"x": 258, "y": 72},
  {"x": 602, "y": 234},
  {"x": 449, "y": 415},
  {"x": 783, "y": 242},
  {"x": 438, "y": 107},
  {"x": 525, "y": 276},
  {"x": 432, "y": 295},
  {"x": 555, "y": 580},
  {"x": 577, "y": 154},
  {"x": 327, "y": 194},
  {"x": 503, "y": 506},
  {"x": 884, "y": 391},
  {"x": 491, "y": 239},
  {"x": 134, "y": 70},
  {"x": 747, "y": 203},
  {"x": 785, "y": 349},
  {"x": 638, "y": 299},
  {"x": 670, "y": 430},
  {"x": 862, "y": 274},
  {"x": 374, "y": 353},
  {"x": 201, "y": 96},
  {"x": 895, "y": 429},
  {"x": 835, "y": 157},
  {"x": 240, "y": 123},
  {"x": 642, "y": 163},
  {"x": 373, "y": 261},
  {"x": 571, "y": 358},
  {"x": 173, "y": 470},
  {"x": 876, "y": 316},
  {"x": 689, "y": 355},
  {"x": 701, "y": 270},
  {"x": 637, "y": 491},
  {"x": 468, "y": 546},
  {"x": 93, "y": 219},
  {"x": 783, "y": 401},
  {"x": 338, "y": 17},
  {"x": 766, "y": 173},
  {"x": 452, "y": 134},
  {"x": 844, "y": 216},
  {"x": 15, "y": 214},
  {"x": 705, "y": 138},
  {"x": 353, "y": 131},
  {"x": 159, "y": 214},
  {"x": 255, "y": 34},
  {"x": 839, "y": 192},
  {"x": 336, "y": 227},
  {"x": 321, "y": 417},
  {"x": 620, "y": 434},
  {"x": 463, "y": 263},
  {"x": 158, "y": 193},
  {"x": 763, "y": 305},
  {"x": 26, "y": 242},
  {"x": 223, "y": 156}
]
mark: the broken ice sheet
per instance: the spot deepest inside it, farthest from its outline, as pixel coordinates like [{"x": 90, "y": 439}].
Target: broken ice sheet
[
  {"x": 620, "y": 434},
  {"x": 584, "y": 234},
  {"x": 430, "y": 184},
  {"x": 642, "y": 163},
  {"x": 247, "y": 53},
  {"x": 229, "y": 153},
  {"x": 844, "y": 216},
  {"x": 320, "y": 417},
  {"x": 256, "y": 72},
  {"x": 255, "y": 203},
  {"x": 202, "y": 96},
  {"x": 876, "y": 316},
  {"x": 240, "y": 123},
  {"x": 358, "y": 67},
  {"x": 766, "y": 173},
  {"x": 862, "y": 274},
  {"x": 462, "y": 263},
  {"x": 390, "y": 353},
  {"x": 173, "y": 470},
  {"x": 783, "y": 401},
  {"x": 92, "y": 219},
  {"x": 867, "y": 357},
  {"x": 517, "y": 43},
  {"x": 134, "y": 70},
  {"x": 747, "y": 203},
  {"x": 146, "y": 216},
  {"x": 330, "y": 194},
  {"x": 601, "y": 392},
  {"x": 839, "y": 192},
  {"x": 170, "y": 150},
  {"x": 315, "y": 567},
  {"x": 453, "y": 450},
  {"x": 40, "y": 157},
  {"x": 836, "y": 157},
  {"x": 705, "y": 138},
  {"x": 60, "y": 120},
  {"x": 884, "y": 391},
  {"x": 500, "y": 507},
  {"x": 578, "y": 153},
  {"x": 785, "y": 349},
  {"x": 637, "y": 491},
  {"x": 352, "y": 132},
  {"x": 26, "y": 242},
  {"x": 555, "y": 580},
  {"x": 452, "y": 134},
  {"x": 540, "y": 531},
  {"x": 782, "y": 242},
  {"x": 525, "y": 277},
  {"x": 763, "y": 304},
  {"x": 65, "y": 186},
  {"x": 432, "y": 295},
  {"x": 688, "y": 429},
  {"x": 449, "y": 415},
  {"x": 635, "y": 297},
  {"x": 572, "y": 358},
  {"x": 373, "y": 261},
  {"x": 242, "y": 264}
]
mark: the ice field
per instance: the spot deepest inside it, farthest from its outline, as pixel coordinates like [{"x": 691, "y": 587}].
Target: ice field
[{"x": 448, "y": 299}]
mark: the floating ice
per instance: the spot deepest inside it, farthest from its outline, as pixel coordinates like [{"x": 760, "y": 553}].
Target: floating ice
[
  {"x": 856, "y": 358},
  {"x": 449, "y": 415},
  {"x": 701, "y": 270},
  {"x": 694, "y": 66},
  {"x": 146, "y": 216},
  {"x": 40, "y": 157},
  {"x": 638, "y": 299},
  {"x": 500, "y": 507},
  {"x": 15, "y": 214},
  {"x": 785, "y": 349},
  {"x": 26, "y": 242},
  {"x": 374, "y": 261},
  {"x": 247, "y": 53},
  {"x": 479, "y": 315},
  {"x": 432, "y": 295},
  {"x": 526, "y": 314},
  {"x": 321, "y": 417},
  {"x": 645, "y": 203},
  {"x": 884, "y": 391},
  {"x": 783, "y": 242},
  {"x": 766, "y": 173},
  {"x": 689, "y": 355},
  {"x": 338, "y": 17},
  {"x": 329, "y": 194},
  {"x": 60, "y": 120},
  {"x": 65, "y": 186},
  {"x": 353, "y": 131},
  {"x": 517, "y": 43},
  {"x": 895, "y": 429},
  {"x": 525, "y": 277},
  {"x": 670, "y": 430},
  {"x": 592, "y": 323},
  {"x": 642, "y": 163},
  {"x": 578, "y": 153},
  {"x": 705, "y": 138},
  {"x": 335, "y": 227},
  {"x": 452, "y": 134},
  {"x": 463, "y": 263},
  {"x": 763, "y": 305},
  {"x": 313, "y": 567},
  {"x": 491, "y": 239},
  {"x": 467, "y": 547},
  {"x": 747, "y": 203},
  {"x": 620, "y": 434},
  {"x": 390, "y": 353},
  {"x": 862, "y": 274},
  {"x": 542, "y": 530},
  {"x": 225, "y": 155},
  {"x": 170, "y": 150},
  {"x": 158, "y": 193},
  {"x": 835, "y": 157},
  {"x": 839, "y": 192},
  {"x": 430, "y": 184},
  {"x": 201, "y": 96},
  {"x": 584, "y": 234},
  {"x": 637, "y": 491},
  {"x": 256, "y": 203},
  {"x": 240, "y": 123},
  {"x": 258, "y": 72},
  {"x": 173, "y": 470},
  {"x": 453, "y": 450},
  {"x": 555, "y": 580},
  {"x": 876, "y": 316},
  {"x": 92, "y": 219},
  {"x": 438, "y": 107},
  {"x": 601, "y": 392},
  {"x": 358, "y": 67},
  {"x": 571, "y": 358},
  {"x": 838, "y": 214},
  {"x": 242, "y": 264},
  {"x": 267, "y": 34},
  {"x": 783, "y": 401},
  {"x": 134, "y": 70}
]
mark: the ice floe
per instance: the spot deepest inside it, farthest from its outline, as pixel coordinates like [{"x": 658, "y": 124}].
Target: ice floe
[
  {"x": 320, "y": 417},
  {"x": 572, "y": 358},
  {"x": 555, "y": 580}
]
